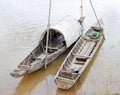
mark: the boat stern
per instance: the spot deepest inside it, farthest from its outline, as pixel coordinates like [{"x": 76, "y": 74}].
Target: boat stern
[
  {"x": 64, "y": 83},
  {"x": 18, "y": 73}
]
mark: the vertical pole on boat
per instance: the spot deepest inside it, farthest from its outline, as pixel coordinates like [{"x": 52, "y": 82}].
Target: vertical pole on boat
[
  {"x": 81, "y": 15},
  {"x": 48, "y": 27},
  {"x": 96, "y": 17},
  {"x": 95, "y": 13},
  {"x": 81, "y": 9}
]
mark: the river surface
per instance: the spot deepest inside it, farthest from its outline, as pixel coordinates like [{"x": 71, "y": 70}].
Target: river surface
[{"x": 21, "y": 24}]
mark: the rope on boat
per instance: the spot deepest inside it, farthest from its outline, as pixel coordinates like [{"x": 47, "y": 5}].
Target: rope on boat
[
  {"x": 96, "y": 17},
  {"x": 48, "y": 26}
]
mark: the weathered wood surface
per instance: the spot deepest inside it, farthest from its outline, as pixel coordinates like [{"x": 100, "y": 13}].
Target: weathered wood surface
[{"x": 78, "y": 59}]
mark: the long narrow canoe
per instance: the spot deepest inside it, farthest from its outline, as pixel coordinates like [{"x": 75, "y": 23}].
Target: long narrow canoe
[
  {"x": 79, "y": 57},
  {"x": 61, "y": 37}
]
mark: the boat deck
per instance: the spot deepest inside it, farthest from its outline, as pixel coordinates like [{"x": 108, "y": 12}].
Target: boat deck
[{"x": 71, "y": 70}]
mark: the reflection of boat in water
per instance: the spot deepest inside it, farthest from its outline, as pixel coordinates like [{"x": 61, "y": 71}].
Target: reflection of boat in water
[
  {"x": 79, "y": 57},
  {"x": 61, "y": 37}
]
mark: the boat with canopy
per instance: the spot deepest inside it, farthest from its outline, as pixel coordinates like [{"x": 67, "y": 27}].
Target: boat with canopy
[{"x": 53, "y": 42}]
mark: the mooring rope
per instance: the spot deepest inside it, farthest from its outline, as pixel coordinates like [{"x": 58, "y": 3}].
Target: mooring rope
[{"x": 48, "y": 27}]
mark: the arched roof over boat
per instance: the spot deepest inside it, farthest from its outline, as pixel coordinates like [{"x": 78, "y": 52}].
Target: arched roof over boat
[{"x": 70, "y": 28}]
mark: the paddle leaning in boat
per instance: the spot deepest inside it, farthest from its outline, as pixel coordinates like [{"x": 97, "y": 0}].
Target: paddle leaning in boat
[
  {"x": 61, "y": 37},
  {"x": 79, "y": 57}
]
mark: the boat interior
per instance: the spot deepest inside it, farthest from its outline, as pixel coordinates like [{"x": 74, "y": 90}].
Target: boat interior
[
  {"x": 78, "y": 57},
  {"x": 55, "y": 41}
]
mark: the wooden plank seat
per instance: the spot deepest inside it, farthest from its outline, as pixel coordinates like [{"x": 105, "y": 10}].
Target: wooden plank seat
[
  {"x": 70, "y": 76},
  {"x": 91, "y": 40},
  {"x": 53, "y": 48},
  {"x": 82, "y": 56},
  {"x": 90, "y": 49},
  {"x": 71, "y": 72},
  {"x": 79, "y": 62},
  {"x": 37, "y": 58},
  {"x": 98, "y": 29},
  {"x": 40, "y": 57},
  {"x": 87, "y": 49},
  {"x": 23, "y": 66},
  {"x": 67, "y": 74}
]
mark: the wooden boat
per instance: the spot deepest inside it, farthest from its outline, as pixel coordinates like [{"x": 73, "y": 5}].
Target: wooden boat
[
  {"x": 61, "y": 37},
  {"x": 79, "y": 57}
]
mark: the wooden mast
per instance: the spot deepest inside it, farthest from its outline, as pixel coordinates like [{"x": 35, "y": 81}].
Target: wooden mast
[
  {"x": 47, "y": 38},
  {"x": 81, "y": 9},
  {"x": 81, "y": 15}
]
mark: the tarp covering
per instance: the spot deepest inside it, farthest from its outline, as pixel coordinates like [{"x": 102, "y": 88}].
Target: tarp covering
[{"x": 70, "y": 28}]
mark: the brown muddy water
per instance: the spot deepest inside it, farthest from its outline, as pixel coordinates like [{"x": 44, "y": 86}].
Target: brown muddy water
[{"x": 21, "y": 24}]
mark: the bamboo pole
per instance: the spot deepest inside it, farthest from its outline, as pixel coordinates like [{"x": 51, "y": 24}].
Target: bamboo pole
[
  {"x": 81, "y": 15},
  {"x": 81, "y": 9},
  {"x": 96, "y": 17},
  {"x": 47, "y": 39}
]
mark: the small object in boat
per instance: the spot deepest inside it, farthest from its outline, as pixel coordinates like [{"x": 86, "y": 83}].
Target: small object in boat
[{"x": 95, "y": 34}]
